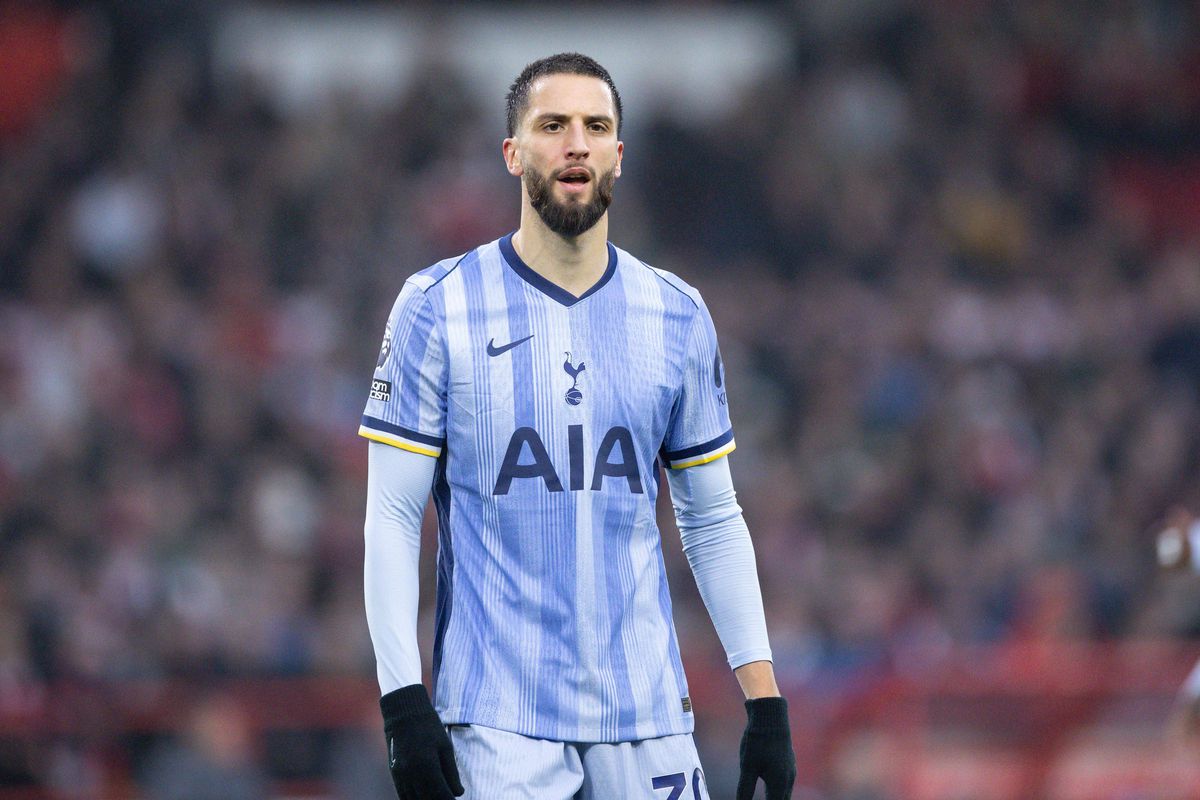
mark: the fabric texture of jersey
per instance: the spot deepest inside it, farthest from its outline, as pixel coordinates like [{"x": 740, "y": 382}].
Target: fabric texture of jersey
[{"x": 548, "y": 414}]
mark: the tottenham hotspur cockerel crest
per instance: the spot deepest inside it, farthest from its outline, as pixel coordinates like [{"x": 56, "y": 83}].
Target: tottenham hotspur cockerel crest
[{"x": 573, "y": 396}]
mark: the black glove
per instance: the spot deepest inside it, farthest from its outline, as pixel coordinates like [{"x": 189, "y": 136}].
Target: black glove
[
  {"x": 766, "y": 750},
  {"x": 419, "y": 750}
]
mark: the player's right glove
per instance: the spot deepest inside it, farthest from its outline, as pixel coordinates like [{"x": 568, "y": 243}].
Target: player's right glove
[
  {"x": 766, "y": 750},
  {"x": 419, "y": 750}
]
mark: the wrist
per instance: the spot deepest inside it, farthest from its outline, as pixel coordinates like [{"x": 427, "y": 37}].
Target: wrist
[
  {"x": 757, "y": 679},
  {"x": 767, "y": 713},
  {"x": 405, "y": 703}
]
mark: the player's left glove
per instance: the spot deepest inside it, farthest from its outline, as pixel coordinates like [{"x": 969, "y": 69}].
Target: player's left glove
[{"x": 766, "y": 750}]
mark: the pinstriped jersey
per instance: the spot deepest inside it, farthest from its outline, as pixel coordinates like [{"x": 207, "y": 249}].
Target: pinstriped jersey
[{"x": 548, "y": 415}]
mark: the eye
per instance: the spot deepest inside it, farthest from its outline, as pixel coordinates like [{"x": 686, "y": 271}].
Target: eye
[
  {"x": 552, "y": 127},
  {"x": 599, "y": 127}
]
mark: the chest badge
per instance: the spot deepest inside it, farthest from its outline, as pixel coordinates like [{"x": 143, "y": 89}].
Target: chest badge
[{"x": 573, "y": 396}]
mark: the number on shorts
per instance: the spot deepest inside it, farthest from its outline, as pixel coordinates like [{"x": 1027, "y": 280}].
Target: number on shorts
[
  {"x": 677, "y": 783},
  {"x": 674, "y": 782}
]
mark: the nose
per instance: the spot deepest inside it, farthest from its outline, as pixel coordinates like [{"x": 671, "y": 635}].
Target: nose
[{"x": 577, "y": 145}]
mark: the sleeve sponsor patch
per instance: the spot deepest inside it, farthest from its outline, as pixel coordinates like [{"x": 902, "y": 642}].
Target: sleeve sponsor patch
[{"x": 381, "y": 390}]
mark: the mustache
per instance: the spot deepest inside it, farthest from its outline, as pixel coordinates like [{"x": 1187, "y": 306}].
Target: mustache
[{"x": 585, "y": 167}]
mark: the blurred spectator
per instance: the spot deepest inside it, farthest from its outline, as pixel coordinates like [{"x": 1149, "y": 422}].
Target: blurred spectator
[
  {"x": 358, "y": 762},
  {"x": 954, "y": 253},
  {"x": 215, "y": 758}
]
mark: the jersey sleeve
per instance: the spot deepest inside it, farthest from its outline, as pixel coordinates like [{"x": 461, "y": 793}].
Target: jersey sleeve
[
  {"x": 699, "y": 430},
  {"x": 406, "y": 406}
]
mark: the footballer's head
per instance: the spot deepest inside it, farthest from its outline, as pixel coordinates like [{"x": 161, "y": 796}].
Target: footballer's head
[
  {"x": 564, "y": 115},
  {"x": 517, "y": 101}
]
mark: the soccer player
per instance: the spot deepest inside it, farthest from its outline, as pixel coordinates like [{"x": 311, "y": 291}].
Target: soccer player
[
  {"x": 536, "y": 383},
  {"x": 1179, "y": 549}
]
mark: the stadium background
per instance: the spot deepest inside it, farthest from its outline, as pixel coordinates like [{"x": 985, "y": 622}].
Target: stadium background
[{"x": 953, "y": 253}]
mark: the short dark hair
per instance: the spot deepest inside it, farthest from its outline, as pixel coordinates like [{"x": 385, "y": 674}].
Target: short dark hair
[{"x": 560, "y": 64}]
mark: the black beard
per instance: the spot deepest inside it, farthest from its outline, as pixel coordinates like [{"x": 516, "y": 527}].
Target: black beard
[{"x": 568, "y": 220}]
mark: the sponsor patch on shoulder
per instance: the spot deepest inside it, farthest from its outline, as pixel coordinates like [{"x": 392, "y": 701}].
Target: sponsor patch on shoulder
[
  {"x": 686, "y": 702},
  {"x": 381, "y": 390}
]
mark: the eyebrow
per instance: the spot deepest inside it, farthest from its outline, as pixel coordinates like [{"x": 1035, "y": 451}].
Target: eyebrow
[{"x": 551, "y": 117}]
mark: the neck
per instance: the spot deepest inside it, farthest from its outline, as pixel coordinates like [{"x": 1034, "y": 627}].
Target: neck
[{"x": 574, "y": 263}]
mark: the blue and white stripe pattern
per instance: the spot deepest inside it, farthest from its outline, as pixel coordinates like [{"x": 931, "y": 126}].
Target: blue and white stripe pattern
[{"x": 549, "y": 414}]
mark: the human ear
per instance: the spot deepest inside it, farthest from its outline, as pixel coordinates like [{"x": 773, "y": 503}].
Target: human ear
[{"x": 512, "y": 157}]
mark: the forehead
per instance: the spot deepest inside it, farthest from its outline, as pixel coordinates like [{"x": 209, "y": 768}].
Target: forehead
[{"x": 571, "y": 95}]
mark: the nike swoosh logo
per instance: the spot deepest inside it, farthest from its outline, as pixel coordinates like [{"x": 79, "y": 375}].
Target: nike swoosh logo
[
  {"x": 392, "y": 753},
  {"x": 492, "y": 350}
]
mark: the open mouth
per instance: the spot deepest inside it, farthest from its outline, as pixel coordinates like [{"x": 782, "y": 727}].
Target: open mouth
[{"x": 576, "y": 176}]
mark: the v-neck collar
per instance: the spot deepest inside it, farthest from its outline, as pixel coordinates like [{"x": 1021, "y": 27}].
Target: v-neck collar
[{"x": 547, "y": 287}]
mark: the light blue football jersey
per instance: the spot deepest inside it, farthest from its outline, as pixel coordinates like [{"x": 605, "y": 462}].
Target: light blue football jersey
[{"x": 548, "y": 415}]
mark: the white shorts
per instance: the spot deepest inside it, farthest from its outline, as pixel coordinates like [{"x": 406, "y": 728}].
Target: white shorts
[{"x": 499, "y": 765}]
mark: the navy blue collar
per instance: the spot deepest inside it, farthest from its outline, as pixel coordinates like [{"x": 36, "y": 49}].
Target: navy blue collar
[{"x": 546, "y": 287}]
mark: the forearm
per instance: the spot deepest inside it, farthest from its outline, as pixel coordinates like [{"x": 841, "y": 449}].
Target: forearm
[
  {"x": 721, "y": 556},
  {"x": 397, "y": 486},
  {"x": 718, "y": 549}
]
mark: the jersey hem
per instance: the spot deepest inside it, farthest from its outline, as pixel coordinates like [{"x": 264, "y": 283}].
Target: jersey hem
[{"x": 459, "y": 716}]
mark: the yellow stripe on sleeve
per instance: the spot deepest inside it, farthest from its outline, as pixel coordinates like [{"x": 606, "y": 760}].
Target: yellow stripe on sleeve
[
  {"x": 383, "y": 438},
  {"x": 724, "y": 451}
]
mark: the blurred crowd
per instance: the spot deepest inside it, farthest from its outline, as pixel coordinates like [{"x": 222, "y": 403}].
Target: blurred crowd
[{"x": 953, "y": 256}]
